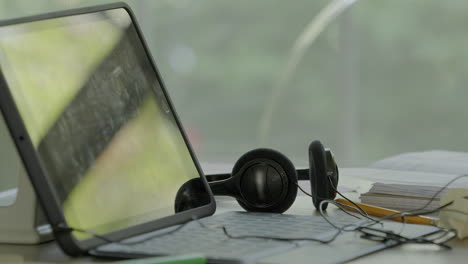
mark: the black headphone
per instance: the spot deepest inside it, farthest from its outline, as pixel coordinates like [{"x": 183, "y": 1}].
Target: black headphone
[{"x": 264, "y": 180}]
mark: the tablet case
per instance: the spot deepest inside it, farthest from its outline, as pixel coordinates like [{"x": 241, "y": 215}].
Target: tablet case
[{"x": 21, "y": 217}]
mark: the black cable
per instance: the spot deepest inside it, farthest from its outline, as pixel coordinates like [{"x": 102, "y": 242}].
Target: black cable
[
  {"x": 416, "y": 211},
  {"x": 386, "y": 235},
  {"x": 345, "y": 211},
  {"x": 306, "y": 193},
  {"x": 334, "y": 189},
  {"x": 289, "y": 239},
  {"x": 455, "y": 211},
  {"x": 357, "y": 208},
  {"x": 438, "y": 193},
  {"x": 344, "y": 197},
  {"x": 430, "y": 211}
]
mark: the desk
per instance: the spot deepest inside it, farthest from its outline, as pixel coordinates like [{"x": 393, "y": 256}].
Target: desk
[{"x": 51, "y": 253}]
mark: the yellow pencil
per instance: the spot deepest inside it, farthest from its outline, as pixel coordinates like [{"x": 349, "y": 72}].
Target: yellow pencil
[{"x": 382, "y": 212}]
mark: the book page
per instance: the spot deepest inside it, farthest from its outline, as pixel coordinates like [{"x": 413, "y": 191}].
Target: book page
[{"x": 434, "y": 161}]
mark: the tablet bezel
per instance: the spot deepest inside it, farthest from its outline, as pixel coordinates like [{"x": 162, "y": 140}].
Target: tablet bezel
[{"x": 42, "y": 184}]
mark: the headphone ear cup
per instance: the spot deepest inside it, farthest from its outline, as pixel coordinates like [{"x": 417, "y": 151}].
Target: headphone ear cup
[
  {"x": 319, "y": 182},
  {"x": 280, "y": 165},
  {"x": 332, "y": 173},
  {"x": 190, "y": 195}
]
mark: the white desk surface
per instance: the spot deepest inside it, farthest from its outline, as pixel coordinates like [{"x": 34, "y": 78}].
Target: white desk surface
[{"x": 51, "y": 253}]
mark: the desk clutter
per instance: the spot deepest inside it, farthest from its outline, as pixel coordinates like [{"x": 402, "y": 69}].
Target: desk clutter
[
  {"x": 112, "y": 166},
  {"x": 144, "y": 194},
  {"x": 430, "y": 179}
]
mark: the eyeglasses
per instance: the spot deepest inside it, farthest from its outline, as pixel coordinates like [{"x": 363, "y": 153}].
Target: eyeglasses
[{"x": 439, "y": 237}]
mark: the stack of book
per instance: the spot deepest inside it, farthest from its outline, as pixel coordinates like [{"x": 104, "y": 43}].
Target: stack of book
[{"x": 415, "y": 180}]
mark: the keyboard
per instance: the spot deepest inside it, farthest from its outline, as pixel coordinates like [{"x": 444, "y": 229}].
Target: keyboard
[{"x": 234, "y": 236}]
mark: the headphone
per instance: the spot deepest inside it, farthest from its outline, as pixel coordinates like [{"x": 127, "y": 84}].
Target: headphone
[{"x": 264, "y": 180}]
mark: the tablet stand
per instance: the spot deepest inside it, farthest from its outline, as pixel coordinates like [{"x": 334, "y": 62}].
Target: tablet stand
[{"x": 21, "y": 217}]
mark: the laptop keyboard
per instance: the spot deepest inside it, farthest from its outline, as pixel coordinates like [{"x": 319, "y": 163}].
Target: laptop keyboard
[{"x": 206, "y": 236}]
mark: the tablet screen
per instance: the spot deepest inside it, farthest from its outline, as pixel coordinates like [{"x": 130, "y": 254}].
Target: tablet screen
[{"x": 98, "y": 118}]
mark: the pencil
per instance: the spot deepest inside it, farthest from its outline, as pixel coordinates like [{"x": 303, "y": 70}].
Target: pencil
[{"x": 382, "y": 212}]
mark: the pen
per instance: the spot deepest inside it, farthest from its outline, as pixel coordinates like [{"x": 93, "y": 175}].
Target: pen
[{"x": 382, "y": 212}]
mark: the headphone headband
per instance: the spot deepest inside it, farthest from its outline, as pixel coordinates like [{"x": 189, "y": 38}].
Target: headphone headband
[{"x": 264, "y": 180}]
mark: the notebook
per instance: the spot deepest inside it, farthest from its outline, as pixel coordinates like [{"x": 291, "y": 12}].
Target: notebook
[
  {"x": 410, "y": 180},
  {"x": 107, "y": 155}
]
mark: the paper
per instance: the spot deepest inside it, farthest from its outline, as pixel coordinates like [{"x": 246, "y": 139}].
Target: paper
[
  {"x": 414, "y": 178},
  {"x": 434, "y": 161},
  {"x": 456, "y": 215},
  {"x": 411, "y": 180},
  {"x": 400, "y": 203}
]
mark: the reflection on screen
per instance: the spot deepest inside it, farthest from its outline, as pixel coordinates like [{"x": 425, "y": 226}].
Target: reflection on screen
[{"x": 98, "y": 118}]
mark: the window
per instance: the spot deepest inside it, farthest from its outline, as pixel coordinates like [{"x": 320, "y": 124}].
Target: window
[{"x": 383, "y": 77}]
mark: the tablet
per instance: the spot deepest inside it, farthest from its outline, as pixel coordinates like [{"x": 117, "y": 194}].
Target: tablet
[{"x": 94, "y": 125}]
